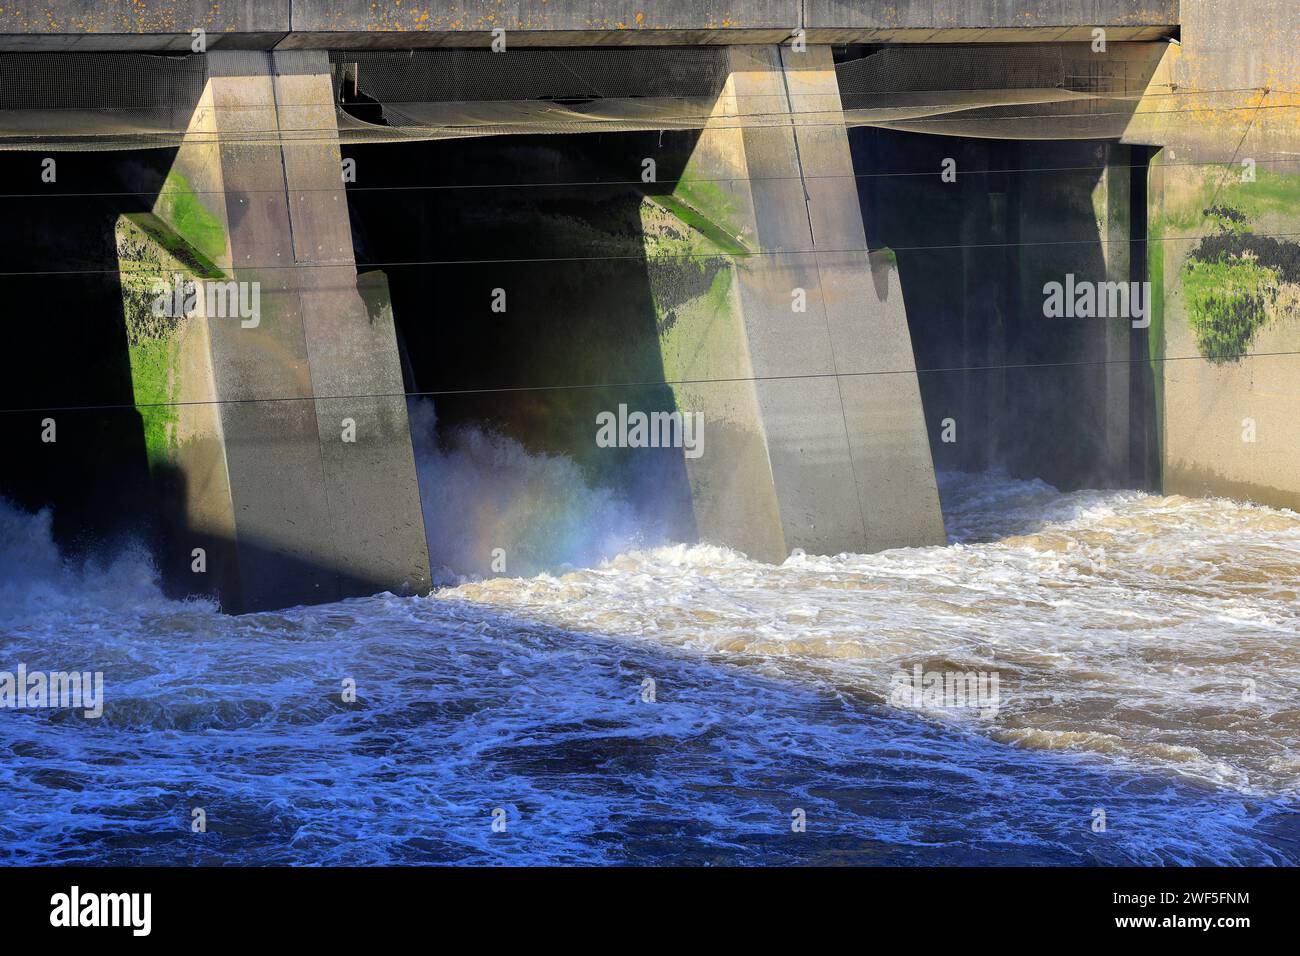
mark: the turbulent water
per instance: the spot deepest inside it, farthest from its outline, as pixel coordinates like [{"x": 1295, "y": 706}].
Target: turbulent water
[
  {"x": 482, "y": 491},
  {"x": 687, "y": 705}
]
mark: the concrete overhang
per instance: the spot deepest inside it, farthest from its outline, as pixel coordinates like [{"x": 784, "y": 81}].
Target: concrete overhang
[
  {"x": 986, "y": 21},
  {"x": 167, "y": 25}
]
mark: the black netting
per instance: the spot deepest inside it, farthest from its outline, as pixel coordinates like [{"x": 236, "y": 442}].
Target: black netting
[
  {"x": 1021, "y": 91},
  {"x": 99, "y": 81},
  {"x": 532, "y": 74}
]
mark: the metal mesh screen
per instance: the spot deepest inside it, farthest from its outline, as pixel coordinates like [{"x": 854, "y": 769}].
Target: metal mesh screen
[{"x": 1020, "y": 91}]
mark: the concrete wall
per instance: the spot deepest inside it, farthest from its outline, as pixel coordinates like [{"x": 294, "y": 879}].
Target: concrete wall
[
  {"x": 248, "y": 24},
  {"x": 1228, "y": 327},
  {"x": 83, "y": 25},
  {"x": 293, "y": 510},
  {"x": 1224, "y": 256},
  {"x": 817, "y": 440}
]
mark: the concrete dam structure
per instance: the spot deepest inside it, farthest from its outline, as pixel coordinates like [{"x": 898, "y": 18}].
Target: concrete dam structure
[{"x": 760, "y": 267}]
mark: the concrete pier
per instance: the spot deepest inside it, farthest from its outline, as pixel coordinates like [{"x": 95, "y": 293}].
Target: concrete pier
[
  {"x": 290, "y": 455},
  {"x": 841, "y": 330},
  {"x": 817, "y": 438}
]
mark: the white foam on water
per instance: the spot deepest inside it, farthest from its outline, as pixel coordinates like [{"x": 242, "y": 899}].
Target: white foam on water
[
  {"x": 35, "y": 580},
  {"x": 1122, "y": 625},
  {"x": 1160, "y": 630}
]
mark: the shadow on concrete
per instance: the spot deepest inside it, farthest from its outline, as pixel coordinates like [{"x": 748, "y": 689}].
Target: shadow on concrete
[
  {"x": 1029, "y": 395},
  {"x": 229, "y": 571}
]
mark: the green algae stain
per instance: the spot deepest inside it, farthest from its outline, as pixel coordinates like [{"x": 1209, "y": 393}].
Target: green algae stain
[
  {"x": 1235, "y": 282},
  {"x": 188, "y": 219},
  {"x": 684, "y": 253},
  {"x": 1221, "y": 187},
  {"x": 1270, "y": 193},
  {"x": 154, "y": 383},
  {"x": 724, "y": 241},
  {"x": 710, "y": 209},
  {"x": 692, "y": 280},
  {"x": 187, "y": 256},
  {"x": 150, "y": 253},
  {"x": 1226, "y": 304},
  {"x": 701, "y": 337},
  {"x": 1156, "y": 300}
]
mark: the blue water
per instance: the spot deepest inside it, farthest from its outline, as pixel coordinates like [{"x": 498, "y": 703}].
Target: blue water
[
  {"x": 474, "y": 700},
  {"x": 461, "y": 711}
]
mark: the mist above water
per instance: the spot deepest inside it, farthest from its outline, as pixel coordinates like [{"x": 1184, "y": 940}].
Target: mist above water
[
  {"x": 491, "y": 507},
  {"x": 36, "y": 580}
]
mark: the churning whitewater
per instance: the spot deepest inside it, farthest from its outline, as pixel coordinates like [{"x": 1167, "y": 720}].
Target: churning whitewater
[
  {"x": 1145, "y": 650},
  {"x": 1162, "y": 630}
]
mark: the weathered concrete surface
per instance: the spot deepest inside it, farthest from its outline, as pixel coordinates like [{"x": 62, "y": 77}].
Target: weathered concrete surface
[
  {"x": 86, "y": 25},
  {"x": 390, "y": 23},
  {"x": 1227, "y": 329},
  {"x": 1223, "y": 254},
  {"x": 1231, "y": 89},
  {"x": 315, "y": 516},
  {"x": 248, "y": 24},
  {"x": 995, "y": 21},
  {"x": 817, "y": 441},
  {"x": 176, "y": 395}
]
